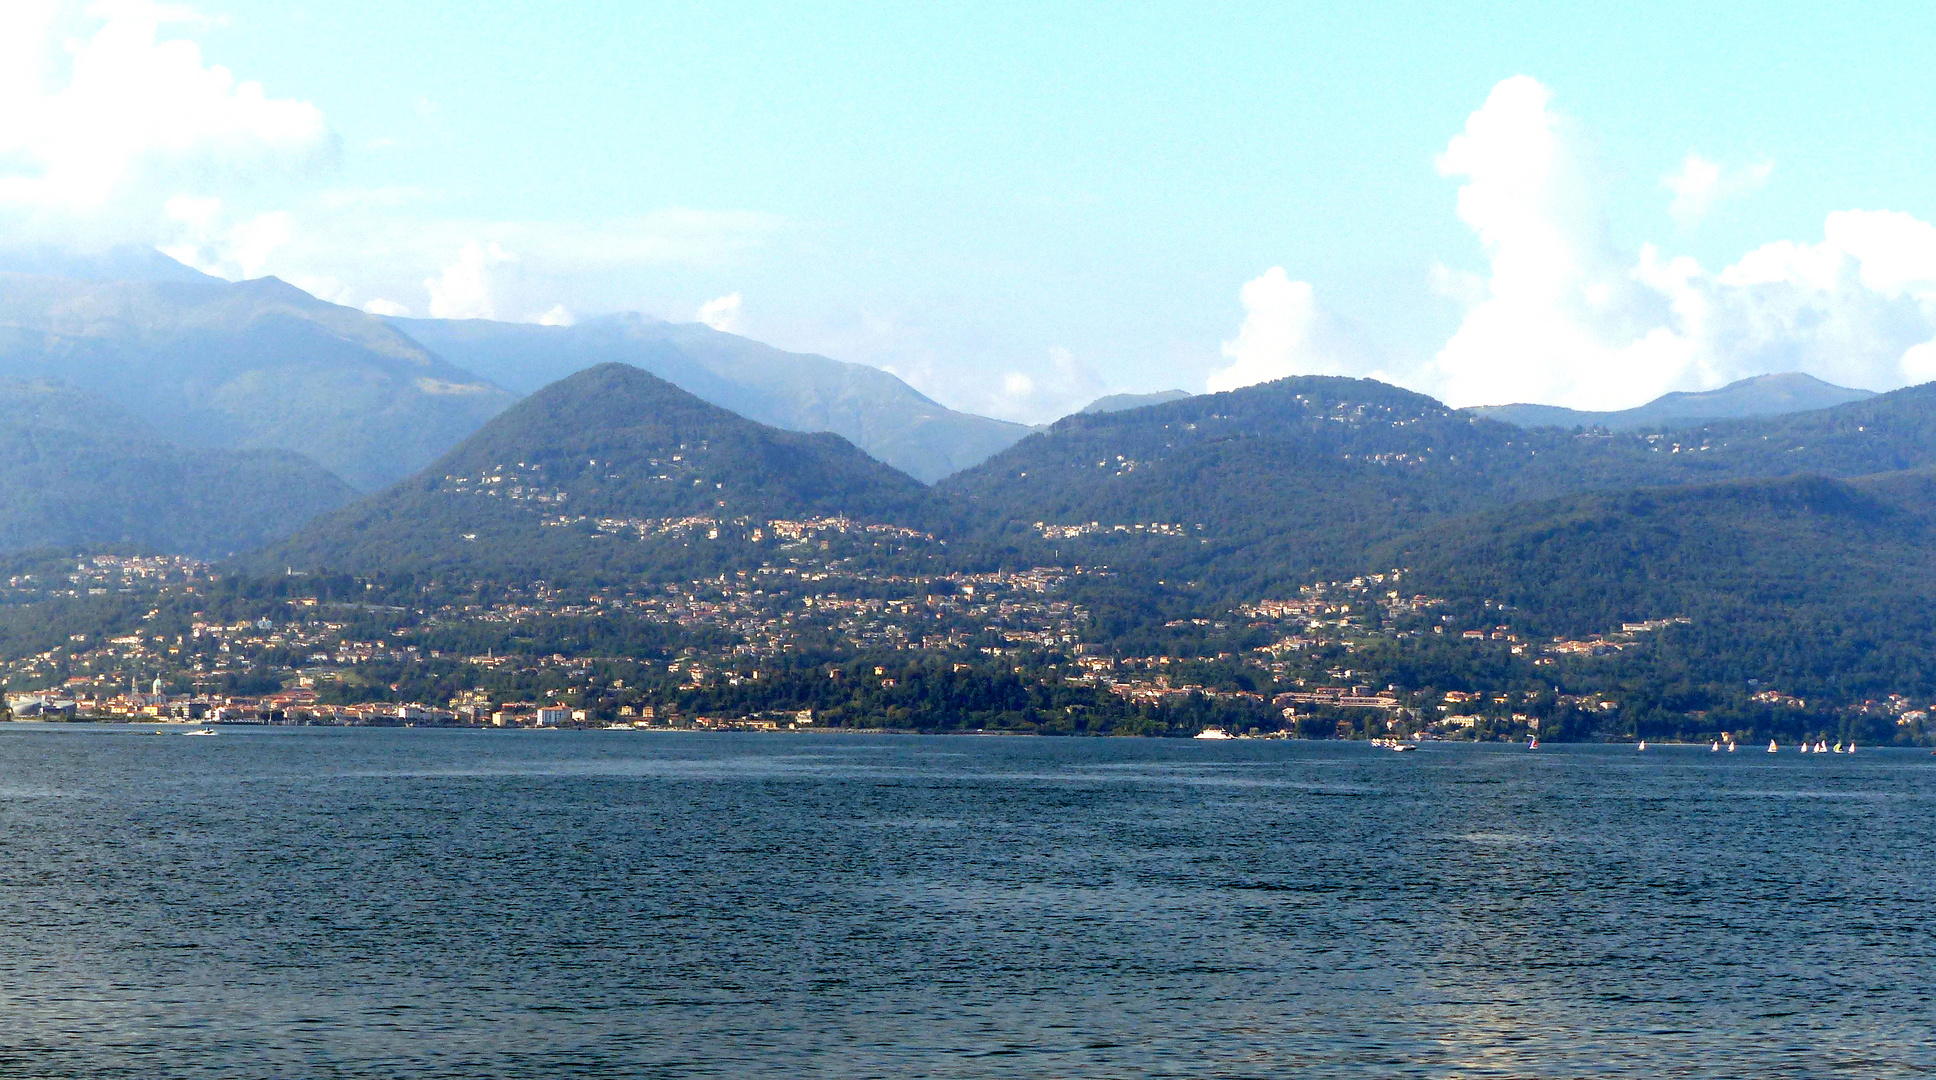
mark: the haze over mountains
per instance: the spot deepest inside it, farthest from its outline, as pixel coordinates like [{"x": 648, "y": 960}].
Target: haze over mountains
[
  {"x": 250, "y": 365},
  {"x": 77, "y": 471}
]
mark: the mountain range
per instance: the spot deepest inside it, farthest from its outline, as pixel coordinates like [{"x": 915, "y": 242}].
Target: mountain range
[{"x": 184, "y": 413}]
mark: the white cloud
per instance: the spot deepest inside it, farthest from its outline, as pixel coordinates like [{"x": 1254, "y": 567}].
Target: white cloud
[
  {"x": 1061, "y": 386},
  {"x": 1563, "y": 315},
  {"x": 380, "y": 306},
  {"x": 558, "y": 315},
  {"x": 723, "y": 313},
  {"x": 1566, "y": 317},
  {"x": 1699, "y": 184},
  {"x": 99, "y": 133},
  {"x": 1285, "y": 332},
  {"x": 463, "y": 290}
]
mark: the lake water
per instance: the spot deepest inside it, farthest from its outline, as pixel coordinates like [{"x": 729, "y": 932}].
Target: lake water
[{"x": 378, "y": 903}]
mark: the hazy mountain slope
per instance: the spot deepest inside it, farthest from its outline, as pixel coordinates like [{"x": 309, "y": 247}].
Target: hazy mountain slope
[
  {"x": 127, "y": 262},
  {"x": 1762, "y": 395},
  {"x": 1817, "y": 587},
  {"x": 255, "y": 364},
  {"x": 870, "y": 408},
  {"x": 1298, "y": 477},
  {"x": 76, "y": 470},
  {"x": 665, "y": 474},
  {"x": 1119, "y": 402}
]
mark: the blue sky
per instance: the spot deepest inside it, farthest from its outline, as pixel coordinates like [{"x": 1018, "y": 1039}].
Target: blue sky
[{"x": 1017, "y": 207}]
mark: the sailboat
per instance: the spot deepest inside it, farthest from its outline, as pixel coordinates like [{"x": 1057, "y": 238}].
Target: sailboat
[
  {"x": 1730, "y": 746},
  {"x": 1838, "y": 746},
  {"x": 1643, "y": 744},
  {"x": 1772, "y": 748},
  {"x": 1821, "y": 746},
  {"x": 1716, "y": 748},
  {"x": 1851, "y": 746}
]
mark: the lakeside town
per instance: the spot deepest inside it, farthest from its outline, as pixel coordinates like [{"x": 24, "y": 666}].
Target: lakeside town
[{"x": 729, "y": 652}]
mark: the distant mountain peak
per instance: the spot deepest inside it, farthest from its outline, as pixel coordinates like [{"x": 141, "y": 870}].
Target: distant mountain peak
[
  {"x": 1758, "y": 395},
  {"x": 1119, "y": 402}
]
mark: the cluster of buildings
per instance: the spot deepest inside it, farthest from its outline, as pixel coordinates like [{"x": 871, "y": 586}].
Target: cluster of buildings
[{"x": 1092, "y": 528}]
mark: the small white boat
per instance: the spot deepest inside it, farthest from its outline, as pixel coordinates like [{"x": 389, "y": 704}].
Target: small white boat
[
  {"x": 1212, "y": 733},
  {"x": 1772, "y": 748},
  {"x": 1716, "y": 748},
  {"x": 1851, "y": 746},
  {"x": 1821, "y": 746},
  {"x": 1730, "y": 747},
  {"x": 200, "y": 731},
  {"x": 1643, "y": 744}
]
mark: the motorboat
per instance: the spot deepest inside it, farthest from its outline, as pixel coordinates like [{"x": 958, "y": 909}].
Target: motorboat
[
  {"x": 1213, "y": 733},
  {"x": 200, "y": 731}
]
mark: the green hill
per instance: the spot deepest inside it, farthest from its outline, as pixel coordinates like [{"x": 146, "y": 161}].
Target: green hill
[
  {"x": 869, "y": 407},
  {"x": 76, "y": 471},
  {"x": 612, "y": 470}
]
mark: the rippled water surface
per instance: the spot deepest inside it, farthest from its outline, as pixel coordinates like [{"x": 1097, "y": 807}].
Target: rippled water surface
[{"x": 370, "y": 903}]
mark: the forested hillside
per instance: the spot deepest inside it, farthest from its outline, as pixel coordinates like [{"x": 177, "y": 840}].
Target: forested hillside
[
  {"x": 1828, "y": 586},
  {"x": 1279, "y": 484}
]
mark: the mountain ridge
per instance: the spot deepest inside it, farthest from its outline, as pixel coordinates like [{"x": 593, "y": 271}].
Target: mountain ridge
[{"x": 1759, "y": 395}]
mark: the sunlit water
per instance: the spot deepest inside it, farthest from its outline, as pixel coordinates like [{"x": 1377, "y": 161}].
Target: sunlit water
[{"x": 370, "y": 903}]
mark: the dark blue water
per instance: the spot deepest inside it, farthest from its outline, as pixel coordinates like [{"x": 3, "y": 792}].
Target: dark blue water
[{"x": 369, "y": 903}]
